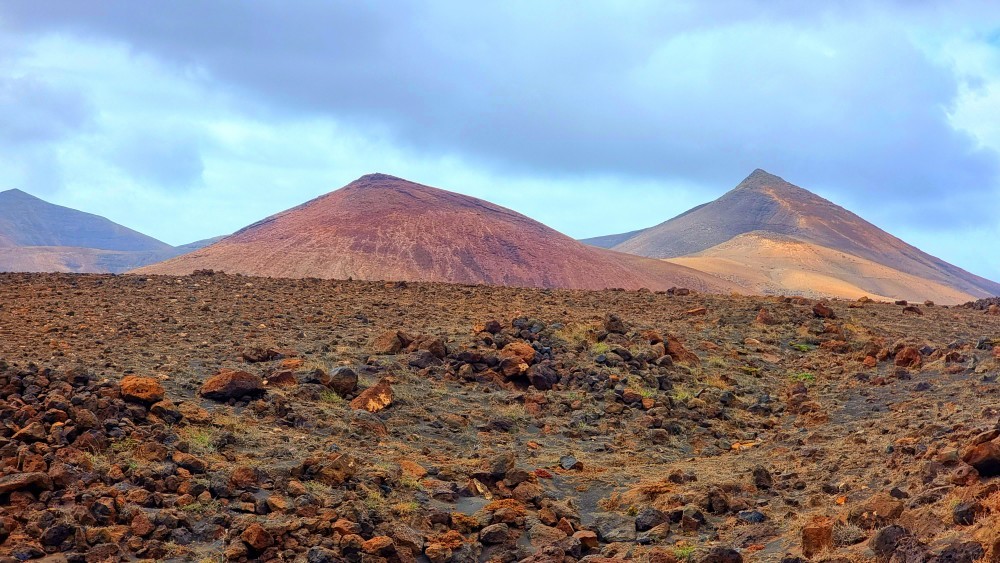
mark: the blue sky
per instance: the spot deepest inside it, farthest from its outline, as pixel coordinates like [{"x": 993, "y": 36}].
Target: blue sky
[{"x": 196, "y": 118}]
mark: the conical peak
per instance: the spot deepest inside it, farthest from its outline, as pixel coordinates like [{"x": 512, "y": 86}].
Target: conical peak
[
  {"x": 376, "y": 177},
  {"x": 760, "y": 178},
  {"x": 16, "y": 193},
  {"x": 765, "y": 183}
]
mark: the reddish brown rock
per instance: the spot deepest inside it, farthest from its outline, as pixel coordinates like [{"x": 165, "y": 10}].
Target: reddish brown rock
[
  {"x": 679, "y": 353},
  {"x": 232, "y": 384},
  {"x": 521, "y": 351},
  {"x": 332, "y": 470},
  {"x": 141, "y": 525},
  {"x": 284, "y": 378},
  {"x": 878, "y": 511},
  {"x": 257, "y": 537},
  {"x": 387, "y": 343},
  {"x": 984, "y": 457},
  {"x": 823, "y": 311},
  {"x": 587, "y": 538},
  {"x": 413, "y": 469},
  {"x": 194, "y": 414},
  {"x": 378, "y": 545},
  {"x": 764, "y": 317},
  {"x": 141, "y": 389},
  {"x": 908, "y": 357},
  {"x": 20, "y": 481},
  {"x": 817, "y": 536},
  {"x": 375, "y": 398}
]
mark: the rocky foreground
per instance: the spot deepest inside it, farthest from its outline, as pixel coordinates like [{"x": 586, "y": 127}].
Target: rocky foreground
[{"x": 226, "y": 418}]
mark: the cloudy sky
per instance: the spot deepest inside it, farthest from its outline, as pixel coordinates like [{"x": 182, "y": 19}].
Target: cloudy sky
[{"x": 190, "y": 119}]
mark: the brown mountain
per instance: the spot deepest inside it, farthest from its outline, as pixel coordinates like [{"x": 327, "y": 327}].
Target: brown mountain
[
  {"x": 38, "y": 236},
  {"x": 380, "y": 227},
  {"x": 780, "y": 213}
]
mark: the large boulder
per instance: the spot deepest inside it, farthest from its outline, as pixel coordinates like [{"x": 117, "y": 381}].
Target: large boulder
[{"x": 232, "y": 384}]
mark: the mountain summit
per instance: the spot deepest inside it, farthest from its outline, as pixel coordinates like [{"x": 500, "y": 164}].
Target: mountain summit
[
  {"x": 381, "y": 227},
  {"x": 765, "y": 210}
]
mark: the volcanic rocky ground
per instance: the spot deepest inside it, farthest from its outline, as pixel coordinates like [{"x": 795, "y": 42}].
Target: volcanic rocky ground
[{"x": 215, "y": 417}]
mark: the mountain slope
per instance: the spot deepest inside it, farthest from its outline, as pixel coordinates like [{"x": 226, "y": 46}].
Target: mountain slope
[
  {"x": 383, "y": 227},
  {"x": 26, "y": 220},
  {"x": 610, "y": 241},
  {"x": 766, "y": 203},
  {"x": 37, "y": 236},
  {"x": 191, "y": 246},
  {"x": 765, "y": 263}
]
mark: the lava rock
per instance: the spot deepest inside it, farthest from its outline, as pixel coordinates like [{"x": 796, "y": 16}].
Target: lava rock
[{"x": 232, "y": 384}]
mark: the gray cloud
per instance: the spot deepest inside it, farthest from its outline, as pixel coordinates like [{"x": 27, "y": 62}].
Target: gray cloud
[
  {"x": 32, "y": 111},
  {"x": 837, "y": 96},
  {"x": 702, "y": 93},
  {"x": 162, "y": 158}
]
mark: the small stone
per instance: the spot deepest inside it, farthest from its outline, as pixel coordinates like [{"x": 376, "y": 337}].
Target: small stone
[
  {"x": 377, "y": 545},
  {"x": 375, "y": 398},
  {"x": 817, "y": 536},
  {"x": 569, "y": 462},
  {"x": 141, "y": 389},
  {"x": 257, "y": 537},
  {"x": 751, "y": 516},
  {"x": 493, "y": 534},
  {"x": 722, "y": 554},
  {"x": 884, "y": 542},
  {"x": 614, "y": 324},
  {"x": 965, "y": 513},
  {"x": 764, "y": 317},
  {"x": 762, "y": 478},
  {"x": 823, "y": 311},
  {"x": 587, "y": 538},
  {"x": 649, "y": 519},
  {"x": 908, "y": 357},
  {"x": 343, "y": 380}
]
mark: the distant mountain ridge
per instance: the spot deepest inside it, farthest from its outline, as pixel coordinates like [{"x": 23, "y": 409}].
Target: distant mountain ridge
[
  {"x": 26, "y": 220},
  {"x": 381, "y": 227},
  {"x": 765, "y": 203},
  {"x": 38, "y": 236}
]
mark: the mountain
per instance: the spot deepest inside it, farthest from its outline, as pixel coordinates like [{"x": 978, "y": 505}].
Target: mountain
[
  {"x": 191, "y": 246},
  {"x": 380, "y": 227},
  {"x": 610, "y": 241},
  {"x": 38, "y": 236},
  {"x": 782, "y": 215},
  {"x": 26, "y": 220},
  {"x": 765, "y": 263}
]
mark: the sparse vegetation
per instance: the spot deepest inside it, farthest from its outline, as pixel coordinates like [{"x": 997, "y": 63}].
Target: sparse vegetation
[
  {"x": 201, "y": 440},
  {"x": 804, "y": 377},
  {"x": 685, "y": 552},
  {"x": 600, "y": 348},
  {"x": 331, "y": 398}
]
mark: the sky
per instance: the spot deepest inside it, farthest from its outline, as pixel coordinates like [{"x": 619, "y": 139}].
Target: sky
[{"x": 190, "y": 119}]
